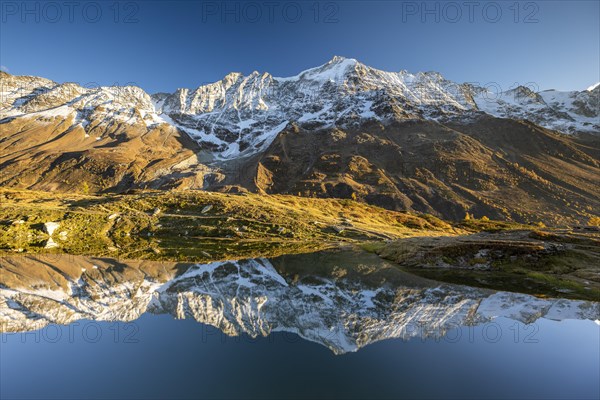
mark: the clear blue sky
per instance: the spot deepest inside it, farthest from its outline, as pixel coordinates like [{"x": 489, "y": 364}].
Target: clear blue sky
[{"x": 161, "y": 46}]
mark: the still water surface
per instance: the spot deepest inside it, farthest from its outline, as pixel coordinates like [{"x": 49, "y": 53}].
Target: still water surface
[{"x": 276, "y": 329}]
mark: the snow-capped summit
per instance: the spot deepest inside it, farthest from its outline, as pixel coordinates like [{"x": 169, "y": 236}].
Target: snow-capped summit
[
  {"x": 241, "y": 115},
  {"x": 333, "y": 71},
  {"x": 593, "y": 87}
]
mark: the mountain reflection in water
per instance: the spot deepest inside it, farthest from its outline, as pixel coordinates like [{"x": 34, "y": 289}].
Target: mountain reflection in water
[{"x": 341, "y": 299}]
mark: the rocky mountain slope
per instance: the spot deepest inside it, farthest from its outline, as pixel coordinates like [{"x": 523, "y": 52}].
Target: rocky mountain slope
[
  {"x": 400, "y": 140},
  {"x": 242, "y": 114},
  {"x": 500, "y": 168},
  {"x": 345, "y": 307},
  {"x": 58, "y": 136}
]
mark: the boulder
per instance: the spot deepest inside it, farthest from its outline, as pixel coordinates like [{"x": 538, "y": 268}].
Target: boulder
[{"x": 339, "y": 229}]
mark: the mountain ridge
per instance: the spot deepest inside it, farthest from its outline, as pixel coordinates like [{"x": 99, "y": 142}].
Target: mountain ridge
[
  {"x": 341, "y": 92},
  {"x": 398, "y": 140}
]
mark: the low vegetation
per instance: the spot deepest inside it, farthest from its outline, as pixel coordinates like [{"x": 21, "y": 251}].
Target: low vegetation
[
  {"x": 197, "y": 225},
  {"x": 543, "y": 262}
]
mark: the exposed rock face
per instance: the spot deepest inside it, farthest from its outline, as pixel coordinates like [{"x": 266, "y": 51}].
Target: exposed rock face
[{"x": 345, "y": 309}]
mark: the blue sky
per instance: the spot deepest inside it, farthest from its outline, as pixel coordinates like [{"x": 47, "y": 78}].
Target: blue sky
[{"x": 161, "y": 46}]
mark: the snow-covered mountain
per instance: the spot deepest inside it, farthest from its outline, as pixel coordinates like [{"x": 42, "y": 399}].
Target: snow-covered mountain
[
  {"x": 42, "y": 99},
  {"x": 246, "y": 112},
  {"x": 251, "y": 297},
  {"x": 241, "y": 115}
]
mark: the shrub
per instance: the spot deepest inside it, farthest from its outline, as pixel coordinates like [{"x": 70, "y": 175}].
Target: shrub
[{"x": 594, "y": 221}]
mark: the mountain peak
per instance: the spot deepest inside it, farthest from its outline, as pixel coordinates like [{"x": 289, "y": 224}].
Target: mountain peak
[
  {"x": 591, "y": 88},
  {"x": 339, "y": 62},
  {"x": 232, "y": 76},
  {"x": 341, "y": 59},
  {"x": 334, "y": 70}
]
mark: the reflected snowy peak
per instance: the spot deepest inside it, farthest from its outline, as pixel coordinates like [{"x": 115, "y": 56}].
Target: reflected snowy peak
[{"x": 351, "y": 304}]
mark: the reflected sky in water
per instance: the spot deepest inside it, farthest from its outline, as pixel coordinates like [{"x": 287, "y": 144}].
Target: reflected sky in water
[{"x": 158, "y": 356}]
